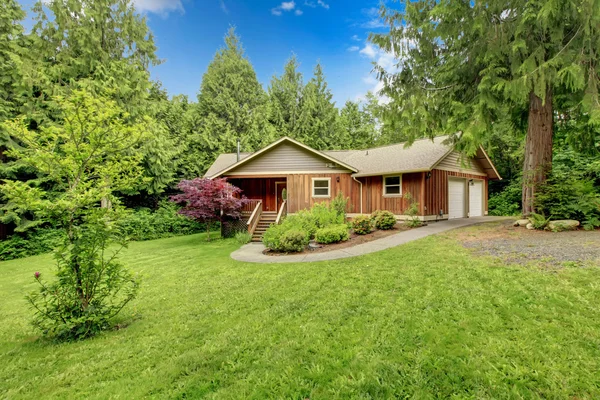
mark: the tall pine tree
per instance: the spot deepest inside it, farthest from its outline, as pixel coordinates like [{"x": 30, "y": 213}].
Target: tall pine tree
[
  {"x": 318, "y": 125},
  {"x": 11, "y": 49},
  {"x": 232, "y": 105},
  {"x": 285, "y": 96},
  {"x": 104, "y": 46},
  {"x": 357, "y": 126},
  {"x": 469, "y": 66}
]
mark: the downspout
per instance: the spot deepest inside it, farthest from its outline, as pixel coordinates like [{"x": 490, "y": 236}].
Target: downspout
[
  {"x": 360, "y": 183},
  {"x": 238, "y": 150}
]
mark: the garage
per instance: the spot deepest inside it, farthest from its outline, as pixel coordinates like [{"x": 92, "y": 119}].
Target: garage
[
  {"x": 456, "y": 198},
  {"x": 476, "y": 198}
]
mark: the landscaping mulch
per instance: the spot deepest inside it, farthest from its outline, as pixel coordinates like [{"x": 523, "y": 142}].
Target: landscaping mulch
[
  {"x": 353, "y": 241},
  {"x": 518, "y": 245}
]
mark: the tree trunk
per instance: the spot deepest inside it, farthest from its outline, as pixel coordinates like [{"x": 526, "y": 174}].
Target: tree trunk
[{"x": 538, "y": 148}]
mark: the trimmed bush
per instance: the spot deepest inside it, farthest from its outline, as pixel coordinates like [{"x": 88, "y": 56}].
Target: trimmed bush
[
  {"x": 362, "y": 225},
  {"x": 383, "y": 220},
  {"x": 332, "y": 234},
  {"x": 293, "y": 240}
]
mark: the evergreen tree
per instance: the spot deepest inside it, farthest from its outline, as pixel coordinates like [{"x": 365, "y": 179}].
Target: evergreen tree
[
  {"x": 232, "y": 106},
  {"x": 357, "y": 125},
  {"x": 107, "y": 45},
  {"x": 10, "y": 60},
  {"x": 469, "y": 66},
  {"x": 318, "y": 125},
  {"x": 285, "y": 95}
]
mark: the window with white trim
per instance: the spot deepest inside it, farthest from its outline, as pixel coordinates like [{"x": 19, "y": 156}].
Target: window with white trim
[
  {"x": 321, "y": 187},
  {"x": 392, "y": 185}
]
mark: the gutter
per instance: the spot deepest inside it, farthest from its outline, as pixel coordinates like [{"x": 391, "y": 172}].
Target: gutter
[{"x": 361, "y": 191}]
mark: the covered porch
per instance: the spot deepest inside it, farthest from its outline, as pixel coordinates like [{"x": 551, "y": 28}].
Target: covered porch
[{"x": 267, "y": 204}]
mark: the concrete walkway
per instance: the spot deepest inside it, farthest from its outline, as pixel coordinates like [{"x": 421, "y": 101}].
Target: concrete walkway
[{"x": 252, "y": 252}]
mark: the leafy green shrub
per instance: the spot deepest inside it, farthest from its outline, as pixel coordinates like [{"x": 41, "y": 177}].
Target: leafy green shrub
[
  {"x": 304, "y": 220},
  {"x": 332, "y": 234},
  {"x": 568, "y": 197},
  {"x": 92, "y": 288},
  {"x": 324, "y": 215},
  {"x": 362, "y": 225},
  {"x": 293, "y": 241},
  {"x": 143, "y": 224},
  {"x": 508, "y": 201},
  {"x": 539, "y": 221},
  {"x": 383, "y": 220},
  {"x": 339, "y": 204},
  {"x": 412, "y": 211},
  {"x": 243, "y": 237},
  {"x": 30, "y": 243}
]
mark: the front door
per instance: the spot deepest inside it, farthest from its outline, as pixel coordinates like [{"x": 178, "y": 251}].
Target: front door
[{"x": 279, "y": 187}]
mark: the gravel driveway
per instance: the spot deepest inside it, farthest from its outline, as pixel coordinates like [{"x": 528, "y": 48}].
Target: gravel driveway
[{"x": 522, "y": 246}]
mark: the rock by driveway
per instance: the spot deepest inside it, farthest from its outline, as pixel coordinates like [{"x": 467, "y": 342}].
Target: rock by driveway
[{"x": 253, "y": 252}]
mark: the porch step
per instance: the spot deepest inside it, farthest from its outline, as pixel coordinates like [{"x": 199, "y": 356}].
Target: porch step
[{"x": 266, "y": 219}]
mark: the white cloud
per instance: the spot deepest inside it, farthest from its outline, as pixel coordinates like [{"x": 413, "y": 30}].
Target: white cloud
[
  {"x": 287, "y": 5},
  {"x": 385, "y": 60},
  {"x": 356, "y": 38},
  {"x": 158, "y": 6},
  {"x": 369, "y": 51},
  {"x": 323, "y": 4},
  {"x": 353, "y": 48},
  {"x": 312, "y": 4},
  {"x": 223, "y": 6}
]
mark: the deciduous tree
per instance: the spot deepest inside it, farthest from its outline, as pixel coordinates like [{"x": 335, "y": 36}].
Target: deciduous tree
[
  {"x": 209, "y": 200},
  {"x": 81, "y": 163}
]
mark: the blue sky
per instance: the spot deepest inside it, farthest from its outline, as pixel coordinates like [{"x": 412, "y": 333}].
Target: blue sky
[{"x": 189, "y": 32}]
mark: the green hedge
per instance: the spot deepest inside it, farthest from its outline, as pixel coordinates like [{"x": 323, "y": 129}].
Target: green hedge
[{"x": 141, "y": 224}]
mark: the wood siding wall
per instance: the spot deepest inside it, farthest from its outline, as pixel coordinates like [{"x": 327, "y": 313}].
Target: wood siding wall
[
  {"x": 373, "y": 198},
  {"x": 299, "y": 191},
  {"x": 284, "y": 159},
  {"x": 453, "y": 162},
  {"x": 436, "y": 190},
  {"x": 431, "y": 193}
]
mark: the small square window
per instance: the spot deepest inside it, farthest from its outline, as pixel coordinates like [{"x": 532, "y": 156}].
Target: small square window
[
  {"x": 321, "y": 187},
  {"x": 392, "y": 185}
]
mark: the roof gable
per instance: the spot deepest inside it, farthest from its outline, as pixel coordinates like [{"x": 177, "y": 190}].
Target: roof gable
[{"x": 283, "y": 156}]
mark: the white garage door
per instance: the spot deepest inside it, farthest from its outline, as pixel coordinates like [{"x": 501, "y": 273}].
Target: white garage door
[
  {"x": 476, "y": 199},
  {"x": 456, "y": 198}
]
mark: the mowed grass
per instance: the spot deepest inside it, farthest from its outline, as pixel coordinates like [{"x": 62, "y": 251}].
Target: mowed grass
[{"x": 423, "y": 320}]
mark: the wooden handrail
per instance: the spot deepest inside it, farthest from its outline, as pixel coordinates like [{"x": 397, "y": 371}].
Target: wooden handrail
[
  {"x": 250, "y": 205},
  {"x": 254, "y": 218},
  {"x": 282, "y": 212}
]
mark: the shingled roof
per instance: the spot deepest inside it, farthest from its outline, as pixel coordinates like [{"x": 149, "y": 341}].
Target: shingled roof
[{"x": 421, "y": 155}]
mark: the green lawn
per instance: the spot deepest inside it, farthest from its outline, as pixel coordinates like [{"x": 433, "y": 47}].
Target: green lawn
[{"x": 424, "y": 320}]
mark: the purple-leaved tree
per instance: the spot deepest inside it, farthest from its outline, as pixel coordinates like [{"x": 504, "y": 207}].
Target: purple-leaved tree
[{"x": 209, "y": 200}]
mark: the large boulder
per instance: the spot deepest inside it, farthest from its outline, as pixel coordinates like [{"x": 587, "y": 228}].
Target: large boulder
[
  {"x": 529, "y": 226},
  {"x": 521, "y": 222},
  {"x": 563, "y": 225}
]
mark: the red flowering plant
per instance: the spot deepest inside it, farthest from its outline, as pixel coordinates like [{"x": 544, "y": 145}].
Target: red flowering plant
[{"x": 209, "y": 200}]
